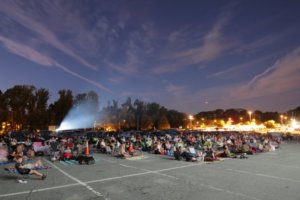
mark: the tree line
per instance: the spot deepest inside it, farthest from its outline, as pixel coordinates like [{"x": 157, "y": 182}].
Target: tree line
[{"x": 26, "y": 107}]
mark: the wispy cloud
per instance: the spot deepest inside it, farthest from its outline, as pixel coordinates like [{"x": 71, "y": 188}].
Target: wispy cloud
[
  {"x": 177, "y": 35},
  {"x": 279, "y": 81},
  {"x": 41, "y": 59},
  {"x": 139, "y": 47},
  {"x": 26, "y": 52},
  {"x": 130, "y": 67},
  {"x": 280, "y": 78},
  {"x": 175, "y": 89},
  {"x": 20, "y": 15},
  {"x": 238, "y": 70},
  {"x": 115, "y": 80},
  {"x": 213, "y": 45},
  {"x": 259, "y": 44}
]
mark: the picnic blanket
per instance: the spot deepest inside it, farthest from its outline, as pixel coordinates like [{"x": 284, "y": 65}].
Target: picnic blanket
[
  {"x": 68, "y": 162},
  {"x": 136, "y": 158}
]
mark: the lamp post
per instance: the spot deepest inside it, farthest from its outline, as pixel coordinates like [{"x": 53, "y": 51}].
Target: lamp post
[
  {"x": 250, "y": 113},
  {"x": 281, "y": 119},
  {"x": 191, "y": 117},
  {"x": 241, "y": 119},
  {"x": 95, "y": 125},
  {"x": 124, "y": 123}
]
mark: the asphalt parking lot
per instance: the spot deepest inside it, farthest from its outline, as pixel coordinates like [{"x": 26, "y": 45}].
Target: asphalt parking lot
[{"x": 268, "y": 176}]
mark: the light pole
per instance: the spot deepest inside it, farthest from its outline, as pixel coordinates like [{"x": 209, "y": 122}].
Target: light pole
[
  {"x": 250, "y": 113},
  {"x": 124, "y": 123},
  {"x": 281, "y": 119},
  {"x": 285, "y": 119},
  {"x": 191, "y": 117}
]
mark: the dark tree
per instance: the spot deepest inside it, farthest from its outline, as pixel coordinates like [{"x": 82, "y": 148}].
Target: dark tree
[
  {"x": 20, "y": 101},
  {"x": 127, "y": 115},
  {"x": 38, "y": 117},
  {"x": 163, "y": 123},
  {"x": 177, "y": 119},
  {"x": 146, "y": 123},
  {"x": 60, "y": 108},
  {"x": 139, "y": 112},
  {"x": 3, "y": 109},
  {"x": 295, "y": 113}
]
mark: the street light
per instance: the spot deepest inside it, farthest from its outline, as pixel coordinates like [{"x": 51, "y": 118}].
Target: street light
[
  {"x": 281, "y": 119},
  {"x": 191, "y": 117},
  {"x": 124, "y": 123},
  {"x": 250, "y": 113},
  {"x": 241, "y": 119}
]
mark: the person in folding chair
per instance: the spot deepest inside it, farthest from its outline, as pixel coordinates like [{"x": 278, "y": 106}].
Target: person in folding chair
[{"x": 22, "y": 170}]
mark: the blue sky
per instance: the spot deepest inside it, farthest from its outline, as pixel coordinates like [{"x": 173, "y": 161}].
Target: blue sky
[{"x": 186, "y": 55}]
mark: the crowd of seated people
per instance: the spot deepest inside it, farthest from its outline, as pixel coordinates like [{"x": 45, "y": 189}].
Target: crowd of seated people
[
  {"x": 33, "y": 145},
  {"x": 208, "y": 146},
  {"x": 189, "y": 146}
]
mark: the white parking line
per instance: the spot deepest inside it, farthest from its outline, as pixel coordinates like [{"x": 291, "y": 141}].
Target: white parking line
[
  {"x": 75, "y": 179},
  {"x": 172, "y": 168},
  {"x": 117, "y": 177},
  {"x": 121, "y": 177},
  {"x": 107, "y": 160},
  {"x": 146, "y": 170},
  {"x": 88, "y": 182},
  {"x": 273, "y": 164},
  {"x": 129, "y": 166},
  {"x": 229, "y": 192},
  {"x": 263, "y": 175},
  {"x": 179, "y": 167},
  {"x": 40, "y": 190}
]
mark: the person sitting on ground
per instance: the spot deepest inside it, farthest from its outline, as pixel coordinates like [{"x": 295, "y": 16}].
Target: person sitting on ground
[
  {"x": 209, "y": 155},
  {"x": 2, "y": 142},
  {"x": 266, "y": 147},
  {"x": 77, "y": 150},
  {"x": 190, "y": 154},
  {"x": 178, "y": 153},
  {"x": 168, "y": 147},
  {"x": 101, "y": 146},
  {"x": 27, "y": 143},
  {"x": 208, "y": 144},
  {"x": 67, "y": 153},
  {"x": 157, "y": 147},
  {"x": 131, "y": 149},
  {"x": 37, "y": 165},
  {"x": 226, "y": 153},
  {"x": 148, "y": 144},
  {"x": 13, "y": 144},
  {"x": 219, "y": 144},
  {"x": 3, "y": 154},
  {"x": 19, "y": 151},
  {"x": 117, "y": 145},
  {"x": 22, "y": 169},
  {"x": 122, "y": 151},
  {"x": 108, "y": 148},
  {"x": 246, "y": 149}
]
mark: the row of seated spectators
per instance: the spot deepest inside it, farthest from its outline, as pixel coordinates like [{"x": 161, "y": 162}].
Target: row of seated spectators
[
  {"x": 58, "y": 148},
  {"x": 207, "y": 146}
]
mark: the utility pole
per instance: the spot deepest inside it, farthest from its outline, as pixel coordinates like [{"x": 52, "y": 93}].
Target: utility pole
[{"x": 137, "y": 123}]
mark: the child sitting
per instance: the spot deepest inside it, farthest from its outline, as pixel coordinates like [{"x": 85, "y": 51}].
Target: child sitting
[
  {"x": 67, "y": 153},
  {"x": 21, "y": 168}
]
